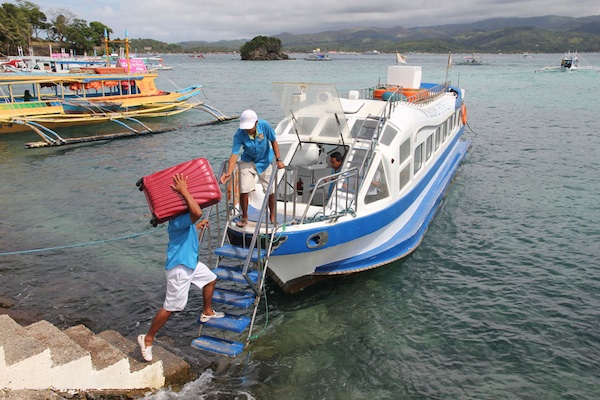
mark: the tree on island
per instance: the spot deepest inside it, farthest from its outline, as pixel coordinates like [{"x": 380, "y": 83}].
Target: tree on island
[{"x": 263, "y": 48}]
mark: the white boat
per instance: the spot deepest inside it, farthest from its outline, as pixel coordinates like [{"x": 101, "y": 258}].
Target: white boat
[
  {"x": 317, "y": 55},
  {"x": 401, "y": 146},
  {"x": 474, "y": 59},
  {"x": 156, "y": 63},
  {"x": 570, "y": 61},
  {"x": 50, "y": 65}
]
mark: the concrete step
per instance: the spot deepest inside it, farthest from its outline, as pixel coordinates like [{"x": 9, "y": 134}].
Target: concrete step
[
  {"x": 24, "y": 361},
  {"x": 176, "y": 371},
  {"x": 41, "y": 356}
]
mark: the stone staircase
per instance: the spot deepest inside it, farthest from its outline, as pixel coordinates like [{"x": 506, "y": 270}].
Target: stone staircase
[{"x": 41, "y": 356}]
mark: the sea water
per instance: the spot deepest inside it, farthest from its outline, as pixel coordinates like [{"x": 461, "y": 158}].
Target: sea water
[{"x": 500, "y": 301}]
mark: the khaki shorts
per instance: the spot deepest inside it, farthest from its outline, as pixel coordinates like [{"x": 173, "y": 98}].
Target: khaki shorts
[
  {"x": 248, "y": 177},
  {"x": 179, "y": 280}
]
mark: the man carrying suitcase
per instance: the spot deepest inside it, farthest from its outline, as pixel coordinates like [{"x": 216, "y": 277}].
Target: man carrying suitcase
[{"x": 182, "y": 268}]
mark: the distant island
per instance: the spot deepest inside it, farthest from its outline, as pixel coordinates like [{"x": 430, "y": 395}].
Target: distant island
[{"x": 548, "y": 34}]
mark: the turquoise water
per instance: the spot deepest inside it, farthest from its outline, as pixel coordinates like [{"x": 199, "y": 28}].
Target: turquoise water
[{"x": 500, "y": 301}]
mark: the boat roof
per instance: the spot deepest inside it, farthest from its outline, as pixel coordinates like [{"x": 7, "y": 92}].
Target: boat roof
[
  {"x": 315, "y": 109},
  {"x": 10, "y": 78}
]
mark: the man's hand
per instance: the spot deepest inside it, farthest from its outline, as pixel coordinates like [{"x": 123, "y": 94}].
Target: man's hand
[
  {"x": 225, "y": 177},
  {"x": 202, "y": 224},
  {"x": 180, "y": 183}
]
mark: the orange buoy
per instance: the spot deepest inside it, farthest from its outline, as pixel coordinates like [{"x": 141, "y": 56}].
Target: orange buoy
[
  {"x": 415, "y": 94},
  {"x": 463, "y": 116},
  {"x": 377, "y": 93}
]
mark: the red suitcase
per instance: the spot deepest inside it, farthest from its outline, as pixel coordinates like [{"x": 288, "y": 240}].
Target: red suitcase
[{"x": 165, "y": 203}]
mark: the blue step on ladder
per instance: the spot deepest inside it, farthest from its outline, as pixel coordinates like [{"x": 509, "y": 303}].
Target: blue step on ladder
[
  {"x": 234, "y": 290},
  {"x": 239, "y": 288}
]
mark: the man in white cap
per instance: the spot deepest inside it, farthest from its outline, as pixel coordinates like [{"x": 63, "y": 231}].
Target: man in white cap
[{"x": 254, "y": 136}]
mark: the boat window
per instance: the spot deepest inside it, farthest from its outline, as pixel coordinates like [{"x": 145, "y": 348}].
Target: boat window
[
  {"x": 316, "y": 109},
  {"x": 444, "y": 132},
  {"x": 364, "y": 129},
  {"x": 429, "y": 147},
  {"x": 378, "y": 188},
  {"x": 404, "y": 176},
  {"x": 438, "y": 138},
  {"x": 389, "y": 133},
  {"x": 356, "y": 160},
  {"x": 405, "y": 151},
  {"x": 284, "y": 149},
  {"x": 418, "y": 159},
  {"x": 307, "y": 124}
]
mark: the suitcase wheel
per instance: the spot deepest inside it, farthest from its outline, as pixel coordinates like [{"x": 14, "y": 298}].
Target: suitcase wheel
[
  {"x": 154, "y": 221},
  {"x": 140, "y": 184}
]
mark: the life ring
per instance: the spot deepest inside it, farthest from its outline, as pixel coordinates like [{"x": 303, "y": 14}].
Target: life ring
[
  {"x": 463, "y": 116},
  {"x": 377, "y": 93}
]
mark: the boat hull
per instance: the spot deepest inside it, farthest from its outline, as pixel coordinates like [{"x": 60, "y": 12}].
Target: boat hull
[
  {"x": 74, "y": 107},
  {"x": 399, "y": 155},
  {"x": 358, "y": 247}
]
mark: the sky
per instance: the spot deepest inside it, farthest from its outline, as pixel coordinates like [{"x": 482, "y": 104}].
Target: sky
[{"x": 175, "y": 21}]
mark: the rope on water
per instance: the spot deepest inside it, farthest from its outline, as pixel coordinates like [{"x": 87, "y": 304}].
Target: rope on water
[{"x": 10, "y": 253}]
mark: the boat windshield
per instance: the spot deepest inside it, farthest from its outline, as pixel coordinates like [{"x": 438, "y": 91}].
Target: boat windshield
[{"x": 316, "y": 112}]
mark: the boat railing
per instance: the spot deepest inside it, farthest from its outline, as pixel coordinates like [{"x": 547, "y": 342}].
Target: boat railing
[
  {"x": 329, "y": 197},
  {"x": 338, "y": 196},
  {"x": 397, "y": 96}
]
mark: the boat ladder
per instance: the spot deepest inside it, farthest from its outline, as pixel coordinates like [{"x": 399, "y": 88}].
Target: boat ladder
[{"x": 241, "y": 271}]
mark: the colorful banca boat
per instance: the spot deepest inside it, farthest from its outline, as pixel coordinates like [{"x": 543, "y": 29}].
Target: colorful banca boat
[
  {"x": 90, "y": 107},
  {"x": 44, "y": 102},
  {"x": 401, "y": 147}
]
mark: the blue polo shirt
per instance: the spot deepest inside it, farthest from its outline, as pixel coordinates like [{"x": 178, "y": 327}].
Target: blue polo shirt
[
  {"x": 183, "y": 242},
  {"x": 258, "y": 149}
]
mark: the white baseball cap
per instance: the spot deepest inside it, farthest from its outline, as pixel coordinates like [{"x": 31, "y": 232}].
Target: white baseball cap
[{"x": 248, "y": 119}]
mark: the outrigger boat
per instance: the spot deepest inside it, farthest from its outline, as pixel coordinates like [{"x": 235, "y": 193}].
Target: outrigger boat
[
  {"x": 121, "y": 94},
  {"x": 401, "y": 146},
  {"x": 94, "y": 95},
  {"x": 569, "y": 62}
]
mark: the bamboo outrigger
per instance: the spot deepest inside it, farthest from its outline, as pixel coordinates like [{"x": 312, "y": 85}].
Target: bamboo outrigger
[{"x": 42, "y": 102}]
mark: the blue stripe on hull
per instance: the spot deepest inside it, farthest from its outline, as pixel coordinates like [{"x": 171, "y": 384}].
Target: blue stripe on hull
[
  {"x": 352, "y": 230},
  {"x": 407, "y": 239}
]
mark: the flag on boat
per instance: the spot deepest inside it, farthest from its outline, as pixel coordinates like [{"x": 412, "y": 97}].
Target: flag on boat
[{"x": 400, "y": 59}]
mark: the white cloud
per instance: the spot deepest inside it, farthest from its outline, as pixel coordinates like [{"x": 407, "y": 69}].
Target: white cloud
[{"x": 187, "y": 20}]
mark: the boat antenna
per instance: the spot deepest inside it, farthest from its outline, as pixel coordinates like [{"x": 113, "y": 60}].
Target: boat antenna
[
  {"x": 448, "y": 66},
  {"x": 294, "y": 122},
  {"x": 337, "y": 120}
]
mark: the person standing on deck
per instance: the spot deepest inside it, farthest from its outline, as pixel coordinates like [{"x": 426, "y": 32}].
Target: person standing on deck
[{"x": 253, "y": 136}]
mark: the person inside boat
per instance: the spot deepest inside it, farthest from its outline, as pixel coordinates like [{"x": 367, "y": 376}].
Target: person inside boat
[
  {"x": 253, "y": 137},
  {"x": 27, "y": 96},
  {"x": 375, "y": 191},
  {"x": 323, "y": 193},
  {"x": 183, "y": 268},
  {"x": 335, "y": 161}
]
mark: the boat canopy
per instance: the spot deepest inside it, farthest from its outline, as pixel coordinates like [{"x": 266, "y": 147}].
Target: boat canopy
[{"x": 315, "y": 111}]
